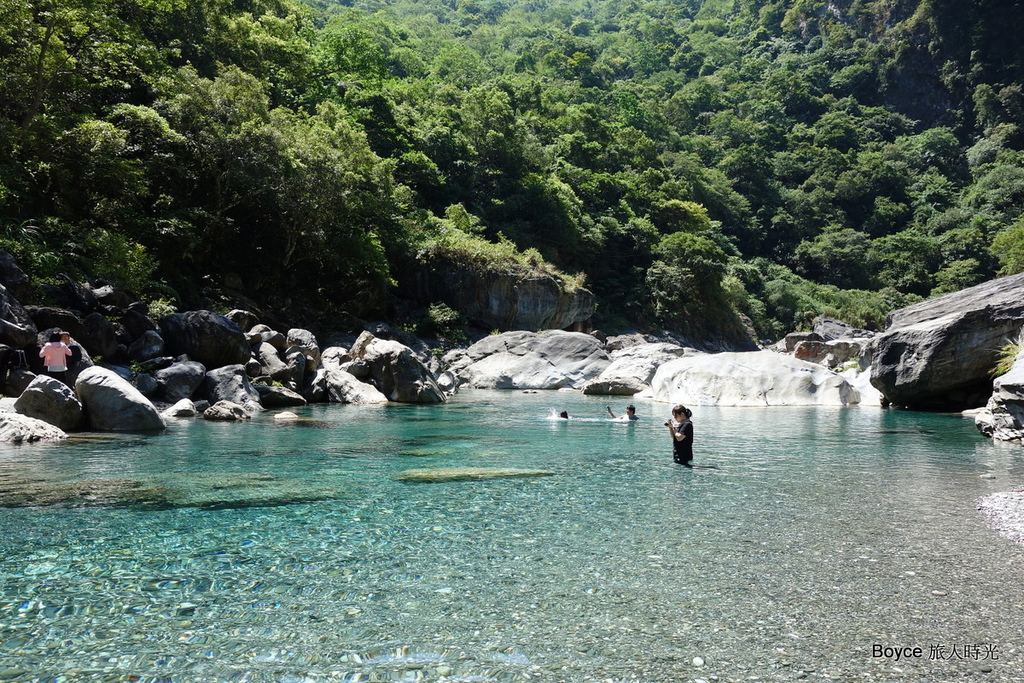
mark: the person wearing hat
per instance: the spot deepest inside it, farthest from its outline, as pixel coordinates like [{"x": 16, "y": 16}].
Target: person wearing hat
[
  {"x": 681, "y": 430},
  {"x": 55, "y": 355}
]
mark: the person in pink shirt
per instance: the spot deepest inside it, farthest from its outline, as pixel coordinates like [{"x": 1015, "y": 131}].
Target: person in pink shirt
[{"x": 55, "y": 356}]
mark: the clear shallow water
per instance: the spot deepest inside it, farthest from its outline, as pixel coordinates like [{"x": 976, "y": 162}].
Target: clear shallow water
[{"x": 820, "y": 533}]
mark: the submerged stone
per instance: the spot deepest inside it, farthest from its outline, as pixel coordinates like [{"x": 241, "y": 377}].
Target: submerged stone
[
  {"x": 185, "y": 490},
  {"x": 466, "y": 474}
]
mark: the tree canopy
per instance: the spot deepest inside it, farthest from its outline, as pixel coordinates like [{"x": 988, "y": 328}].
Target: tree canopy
[{"x": 776, "y": 159}]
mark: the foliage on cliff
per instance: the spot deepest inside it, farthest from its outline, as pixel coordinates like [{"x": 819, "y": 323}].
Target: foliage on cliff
[{"x": 781, "y": 158}]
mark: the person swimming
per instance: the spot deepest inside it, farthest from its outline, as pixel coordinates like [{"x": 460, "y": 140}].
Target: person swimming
[{"x": 630, "y": 415}]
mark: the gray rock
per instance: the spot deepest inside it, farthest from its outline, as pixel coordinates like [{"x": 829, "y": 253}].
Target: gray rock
[
  {"x": 146, "y": 384},
  {"x": 226, "y": 411},
  {"x": 632, "y": 368},
  {"x": 230, "y": 383},
  {"x": 206, "y": 337},
  {"x": 181, "y": 409},
  {"x": 150, "y": 345},
  {"x": 71, "y": 295},
  {"x": 344, "y": 388},
  {"x": 793, "y": 339},
  {"x": 938, "y": 354},
  {"x": 1003, "y": 416},
  {"x": 359, "y": 369},
  {"x": 15, "y": 428},
  {"x": 17, "y": 381},
  {"x": 52, "y": 401},
  {"x": 615, "y": 386},
  {"x": 135, "y": 324},
  {"x": 245, "y": 320},
  {"x": 48, "y": 319},
  {"x": 112, "y": 404},
  {"x": 99, "y": 336},
  {"x": 179, "y": 381},
  {"x": 17, "y": 329},
  {"x": 506, "y": 300},
  {"x": 13, "y": 278},
  {"x": 295, "y": 361},
  {"x": 756, "y": 378},
  {"x": 111, "y": 298},
  {"x": 398, "y": 373},
  {"x": 267, "y": 355},
  {"x": 279, "y": 397},
  {"x": 333, "y": 357},
  {"x": 830, "y": 329},
  {"x": 305, "y": 340},
  {"x": 314, "y": 388},
  {"x": 530, "y": 360}
]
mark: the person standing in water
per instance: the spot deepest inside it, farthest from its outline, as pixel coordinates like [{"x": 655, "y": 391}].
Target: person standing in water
[
  {"x": 682, "y": 435},
  {"x": 630, "y": 415}
]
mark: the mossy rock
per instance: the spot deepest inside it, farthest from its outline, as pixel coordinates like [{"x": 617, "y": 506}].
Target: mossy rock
[
  {"x": 208, "y": 492},
  {"x": 428, "y": 476}
]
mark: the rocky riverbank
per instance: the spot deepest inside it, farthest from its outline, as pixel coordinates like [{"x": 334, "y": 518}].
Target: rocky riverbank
[{"x": 1005, "y": 511}]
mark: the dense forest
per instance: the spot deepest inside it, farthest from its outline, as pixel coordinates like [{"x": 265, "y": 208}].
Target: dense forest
[{"x": 780, "y": 159}]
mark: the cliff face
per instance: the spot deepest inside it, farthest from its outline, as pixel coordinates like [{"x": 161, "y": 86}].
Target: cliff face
[
  {"x": 939, "y": 354},
  {"x": 503, "y": 300}
]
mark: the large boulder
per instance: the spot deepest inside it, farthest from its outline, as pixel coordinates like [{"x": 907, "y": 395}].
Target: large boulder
[
  {"x": 226, "y": 411},
  {"x": 13, "y": 278},
  {"x": 267, "y": 354},
  {"x": 112, "y": 404},
  {"x": 306, "y": 341},
  {"x": 52, "y": 401},
  {"x": 230, "y": 383},
  {"x": 99, "y": 335},
  {"x": 939, "y": 354},
  {"x": 179, "y": 381},
  {"x": 632, "y": 369},
  {"x": 48, "y": 318},
  {"x": 147, "y": 347},
  {"x": 206, "y": 337},
  {"x": 502, "y": 299},
  {"x": 756, "y": 378},
  {"x": 345, "y": 388},
  {"x": 278, "y": 397},
  {"x": 1003, "y": 417},
  {"x": 397, "y": 372},
  {"x": 530, "y": 360},
  {"x": 16, "y": 327},
  {"x": 15, "y": 428}
]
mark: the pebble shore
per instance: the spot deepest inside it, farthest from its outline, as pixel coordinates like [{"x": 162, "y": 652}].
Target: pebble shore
[{"x": 1005, "y": 511}]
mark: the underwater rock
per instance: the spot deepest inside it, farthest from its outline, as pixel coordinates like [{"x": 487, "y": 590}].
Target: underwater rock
[
  {"x": 428, "y": 475},
  {"x": 179, "y": 490}
]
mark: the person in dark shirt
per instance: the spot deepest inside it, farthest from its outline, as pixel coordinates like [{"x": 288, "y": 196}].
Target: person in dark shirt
[{"x": 681, "y": 429}]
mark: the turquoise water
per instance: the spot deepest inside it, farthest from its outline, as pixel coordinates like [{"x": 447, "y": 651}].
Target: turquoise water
[{"x": 818, "y": 534}]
